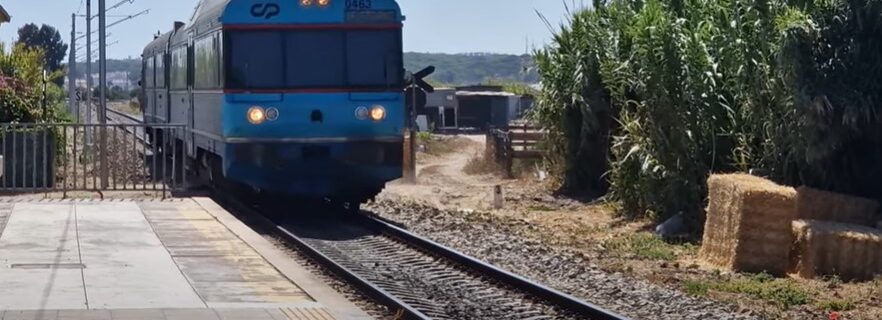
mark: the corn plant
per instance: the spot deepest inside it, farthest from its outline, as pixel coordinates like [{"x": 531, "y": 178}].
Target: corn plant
[{"x": 655, "y": 95}]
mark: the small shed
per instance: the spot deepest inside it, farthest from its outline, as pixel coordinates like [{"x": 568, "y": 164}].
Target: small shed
[
  {"x": 483, "y": 109},
  {"x": 442, "y": 108},
  {"x": 473, "y": 107}
]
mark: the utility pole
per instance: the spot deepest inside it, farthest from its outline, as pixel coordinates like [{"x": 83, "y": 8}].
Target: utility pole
[
  {"x": 102, "y": 103},
  {"x": 88, "y": 65},
  {"x": 73, "y": 105}
]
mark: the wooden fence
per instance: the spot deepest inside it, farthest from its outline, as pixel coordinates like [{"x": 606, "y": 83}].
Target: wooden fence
[{"x": 516, "y": 141}]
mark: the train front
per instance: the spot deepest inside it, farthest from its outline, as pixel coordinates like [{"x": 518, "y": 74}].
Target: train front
[{"x": 313, "y": 103}]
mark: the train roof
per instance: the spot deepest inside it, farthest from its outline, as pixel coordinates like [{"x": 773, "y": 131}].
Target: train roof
[
  {"x": 159, "y": 44},
  {"x": 209, "y": 15}
]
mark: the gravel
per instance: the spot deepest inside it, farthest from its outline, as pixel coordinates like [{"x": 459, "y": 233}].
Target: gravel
[
  {"x": 361, "y": 300},
  {"x": 566, "y": 270}
]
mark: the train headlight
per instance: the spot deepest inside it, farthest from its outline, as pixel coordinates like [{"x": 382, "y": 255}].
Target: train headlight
[
  {"x": 256, "y": 115},
  {"x": 378, "y": 113},
  {"x": 305, "y": 3},
  {"x": 323, "y": 3},
  {"x": 362, "y": 113}
]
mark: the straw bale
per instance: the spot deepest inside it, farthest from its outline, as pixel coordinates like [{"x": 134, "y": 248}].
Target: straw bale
[
  {"x": 852, "y": 252},
  {"x": 748, "y": 224},
  {"x": 813, "y": 204}
]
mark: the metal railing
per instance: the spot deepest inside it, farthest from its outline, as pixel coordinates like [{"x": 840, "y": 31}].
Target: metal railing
[{"x": 64, "y": 157}]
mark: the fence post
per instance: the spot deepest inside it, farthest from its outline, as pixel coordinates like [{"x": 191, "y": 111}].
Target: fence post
[
  {"x": 490, "y": 148},
  {"x": 508, "y": 160}
]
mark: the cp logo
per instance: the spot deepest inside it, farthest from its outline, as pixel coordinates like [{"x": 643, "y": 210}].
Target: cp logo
[{"x": 265, "y": 10}]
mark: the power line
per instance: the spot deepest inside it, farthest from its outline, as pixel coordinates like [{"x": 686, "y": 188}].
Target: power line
[{"x": 126, "y": 18}]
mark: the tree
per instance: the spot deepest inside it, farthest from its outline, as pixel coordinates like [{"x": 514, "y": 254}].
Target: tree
[{"x": 47, "y": 39}]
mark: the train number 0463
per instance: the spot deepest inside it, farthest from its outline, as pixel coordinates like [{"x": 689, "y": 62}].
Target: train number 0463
[{"x": 358, "y": 4}]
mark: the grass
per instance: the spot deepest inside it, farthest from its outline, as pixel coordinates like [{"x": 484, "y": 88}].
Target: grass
[
  {"x": 479, "y": 164},
  {"x": 646, "y": 246},
  {"x": 436, "y": 145},
  {"x": 781, "y": 292},
  {"x": 836, "y": 305},
  {"x": 696, "y": 287}
]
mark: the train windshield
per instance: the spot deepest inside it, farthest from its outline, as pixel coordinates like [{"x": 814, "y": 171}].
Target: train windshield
[{"x": 306, "y": 59}]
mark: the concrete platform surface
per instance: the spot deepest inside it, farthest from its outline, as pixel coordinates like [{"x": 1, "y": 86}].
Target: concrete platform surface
[{"x": 170, "y": 259}]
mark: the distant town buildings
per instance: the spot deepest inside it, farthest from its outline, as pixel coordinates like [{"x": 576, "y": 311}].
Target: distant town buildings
[{"x": 114, "y": 79}]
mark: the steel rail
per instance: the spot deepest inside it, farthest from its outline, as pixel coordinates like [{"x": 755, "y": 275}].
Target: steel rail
[
  {"x": 387, "y": 228},
  {"x": 518, "y": 282},
  {"x": 124, "y": 115},
  {"x": 404, "y": 310}
]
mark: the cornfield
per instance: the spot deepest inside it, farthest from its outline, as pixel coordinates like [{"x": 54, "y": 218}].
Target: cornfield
[{"x": 645, "y": 98}]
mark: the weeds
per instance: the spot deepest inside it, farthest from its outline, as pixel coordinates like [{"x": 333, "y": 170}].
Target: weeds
[
  {"x": 646, "y": 246},
  {"x": 836, "y": 305},
  {"x": 781, "y": 292},
  {"x": 696, "y": 287},
  {"x": 437, "y": 145},
  {"x": 479, "y": 164}
]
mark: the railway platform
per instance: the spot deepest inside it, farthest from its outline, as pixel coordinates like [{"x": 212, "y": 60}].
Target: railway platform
[{"x": 183, "y": 258}]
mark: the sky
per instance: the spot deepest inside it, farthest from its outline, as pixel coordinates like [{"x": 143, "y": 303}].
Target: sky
[{"x": 437, "y": 26}]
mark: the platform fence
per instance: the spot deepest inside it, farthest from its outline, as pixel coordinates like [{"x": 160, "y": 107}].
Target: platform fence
[{"x": 66, "y": 157}]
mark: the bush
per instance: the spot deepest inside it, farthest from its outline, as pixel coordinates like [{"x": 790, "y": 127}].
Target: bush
[
  {"x": 21, "y": 88},
  {"x": 653, "y": 96}
]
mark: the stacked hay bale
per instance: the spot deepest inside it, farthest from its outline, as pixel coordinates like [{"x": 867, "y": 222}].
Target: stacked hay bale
[
  {"x": 835, "y": 236},
  {"x": 813, "y": 204},
  {"x": 850, "y": 251},
  {"x": 748, "y": 225},
  {"x": 754, "y": 225}
]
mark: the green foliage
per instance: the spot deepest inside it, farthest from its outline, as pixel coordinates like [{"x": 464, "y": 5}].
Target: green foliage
[
  {"x": 21, "y": 88},
  {"x": 48, "y": 40},
  {"x": 646, "y": 246},
  {"x": 836, "y": 305},
  {"x": 114, "y": 93},
  {"x": 781, "y": 292},
  {"x": 696, "y": 287},
  {"x": 518, "y": 88},
  {"x": 468, "y": 69},
  {"x": 655, "y": 95}
]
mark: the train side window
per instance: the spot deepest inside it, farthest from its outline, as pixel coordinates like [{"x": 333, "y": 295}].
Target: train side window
[
  {"x": 179, "y": 68},
  {"x": 149, "y": 74},
  {"x": 160, "y": 72},
  {"x": 207, "y": 63}
]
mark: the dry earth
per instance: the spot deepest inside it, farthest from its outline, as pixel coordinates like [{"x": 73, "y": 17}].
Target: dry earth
[{"x": 455, "y": 208}]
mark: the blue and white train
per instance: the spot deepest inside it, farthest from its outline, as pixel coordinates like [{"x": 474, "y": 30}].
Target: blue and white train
[{"x": 291, "y": 97}]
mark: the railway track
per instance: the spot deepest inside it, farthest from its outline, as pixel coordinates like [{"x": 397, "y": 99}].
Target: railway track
[{"x": 418, "y": 278}]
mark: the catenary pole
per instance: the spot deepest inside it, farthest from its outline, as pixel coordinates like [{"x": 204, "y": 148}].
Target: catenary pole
[
  {"x": 102, "y": 75},
  {"x": 73, "y": 105}
]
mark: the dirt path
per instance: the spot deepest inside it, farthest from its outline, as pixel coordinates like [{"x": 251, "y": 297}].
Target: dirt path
[{"x": 442, "y": 181}]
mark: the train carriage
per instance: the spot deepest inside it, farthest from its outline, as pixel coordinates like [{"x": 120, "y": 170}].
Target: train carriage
[{"x": 299, "y": 98}]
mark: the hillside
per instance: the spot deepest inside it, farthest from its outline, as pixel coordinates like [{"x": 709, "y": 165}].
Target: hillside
[
  {"x": 459, "y": 69},
  {"x": 455, "y": 69}
]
